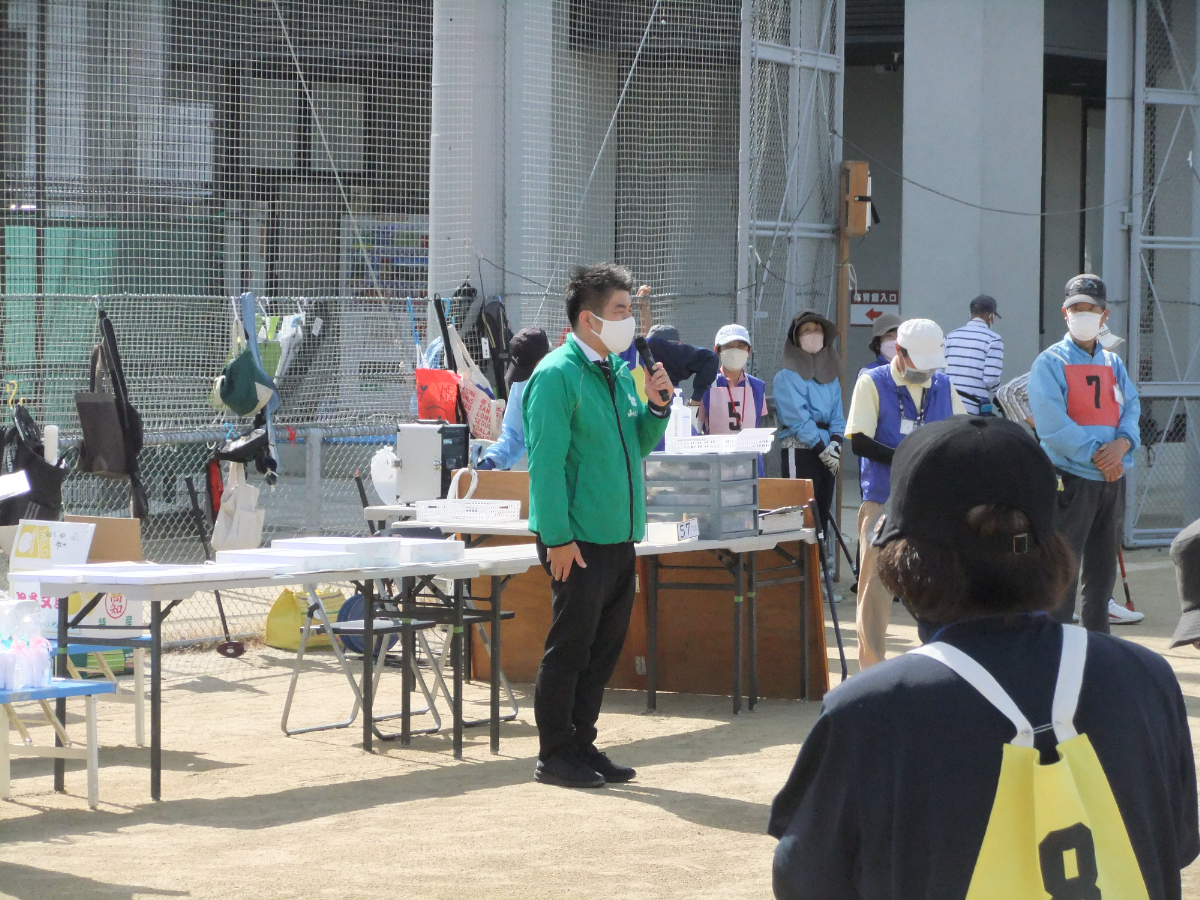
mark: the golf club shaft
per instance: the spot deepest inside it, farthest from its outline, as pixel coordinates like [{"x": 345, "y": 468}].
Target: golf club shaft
[
  {"x": 1124, "y": 580},
  {"x": 838, "y": 532},
  {"x": 837, "y": 629},
  {"x": 202, "y": 531}
]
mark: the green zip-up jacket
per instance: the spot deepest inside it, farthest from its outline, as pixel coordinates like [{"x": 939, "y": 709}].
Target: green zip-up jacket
[{"x": 586, "y": 444}]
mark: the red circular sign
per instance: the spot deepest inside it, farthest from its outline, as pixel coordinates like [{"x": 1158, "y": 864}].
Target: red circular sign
[{"x": 115, "y": 605}]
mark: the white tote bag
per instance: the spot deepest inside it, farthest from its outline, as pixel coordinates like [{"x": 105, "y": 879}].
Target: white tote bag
[{"x": 239, "y": 524}]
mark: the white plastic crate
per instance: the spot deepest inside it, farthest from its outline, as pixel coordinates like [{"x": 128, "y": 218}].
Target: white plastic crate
[
  {"x": 468, "y": 511},
  {"x": 757, "y": 440}
]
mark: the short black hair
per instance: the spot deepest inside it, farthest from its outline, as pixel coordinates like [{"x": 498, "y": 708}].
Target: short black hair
[
  {"x": 939, "y": 585},
  {"x": 591, "y": 286}
]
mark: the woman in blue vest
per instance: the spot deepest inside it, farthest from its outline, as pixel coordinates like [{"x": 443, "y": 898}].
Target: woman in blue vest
[
  {"x": 808, "y": 406},
  {"x": 889, "y": 403}
]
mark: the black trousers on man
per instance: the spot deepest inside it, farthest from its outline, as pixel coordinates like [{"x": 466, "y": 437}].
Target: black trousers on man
[
  {"x": 1090, "y": 514},
  {"x": 591, "y": 615}
]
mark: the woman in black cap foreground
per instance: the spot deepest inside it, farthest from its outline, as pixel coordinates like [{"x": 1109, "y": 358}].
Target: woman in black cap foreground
[{"x": 1011, "y": 756}]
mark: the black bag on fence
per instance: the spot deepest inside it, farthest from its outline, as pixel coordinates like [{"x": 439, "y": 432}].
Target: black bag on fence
[
  {"x": 27, "y": 453},
  {"x": 112, "y": 428}
]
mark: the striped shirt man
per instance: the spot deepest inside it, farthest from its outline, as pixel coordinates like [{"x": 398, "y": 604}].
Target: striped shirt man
[{"x": 975, "y": 359}]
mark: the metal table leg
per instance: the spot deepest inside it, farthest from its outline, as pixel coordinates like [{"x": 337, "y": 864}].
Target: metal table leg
[
  {"x": 494, "y": 643},
  {"x": 651, "y": 633},
  {"x": 155, "y": 700},
  {"x": 738, "y": 588},
  {"x": 456, "y": 662},
  {"x": 805, "y": 600},
  {"x": 752, "y": 613},
  {"x": 408, "y": 587},
  {"x": 368, "y": 679},
  {"x": 60, "y": 705}
]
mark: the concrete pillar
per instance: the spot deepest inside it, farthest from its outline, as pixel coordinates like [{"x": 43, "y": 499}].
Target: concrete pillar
[
  {"x": 466, "y": 148},
  {"x": 973, "y": 130},
  {"x": 1118, "y": 163}
]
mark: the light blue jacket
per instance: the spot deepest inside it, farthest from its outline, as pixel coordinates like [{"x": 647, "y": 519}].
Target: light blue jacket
[
  {"x": 1071, "y": 446},
  {"x": 510, "y": 447},
  {"x": 800, "y": 405}
]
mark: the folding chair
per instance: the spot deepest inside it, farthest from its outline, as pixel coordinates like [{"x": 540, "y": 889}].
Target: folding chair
[{"x": 383, "y": 627}]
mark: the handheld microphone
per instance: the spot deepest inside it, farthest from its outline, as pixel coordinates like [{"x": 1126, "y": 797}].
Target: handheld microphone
[{"x": 643, "y": 350}]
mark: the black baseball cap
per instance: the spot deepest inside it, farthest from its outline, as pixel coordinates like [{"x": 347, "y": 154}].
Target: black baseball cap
[
  {"x": 984, "y": 305},
  {"x": 525, "y": 351},
  {"x": 1085, "y": 289},
  {"x": 665, "y": 333},
  {"x": 946, "y": 468}
]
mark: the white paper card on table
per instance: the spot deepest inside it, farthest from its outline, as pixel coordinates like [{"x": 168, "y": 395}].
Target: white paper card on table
[
  {"x": 43, "y": 545},
  {"x": 673, "y": 532}
]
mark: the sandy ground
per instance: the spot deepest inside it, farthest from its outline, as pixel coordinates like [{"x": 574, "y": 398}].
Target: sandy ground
[{"x": 249, "y": 812}]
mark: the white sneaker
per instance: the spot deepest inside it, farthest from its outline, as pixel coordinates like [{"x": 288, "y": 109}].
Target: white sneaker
[
  {"x": 1074, "y": 618},
  {"x": 1119, "y": 615}
]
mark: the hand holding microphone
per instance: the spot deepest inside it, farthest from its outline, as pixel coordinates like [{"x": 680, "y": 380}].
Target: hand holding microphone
[{"x": 658, "y": 375}]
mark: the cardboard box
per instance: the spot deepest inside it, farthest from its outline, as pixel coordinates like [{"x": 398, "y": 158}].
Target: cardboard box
[{"x": 115, "y": 540}]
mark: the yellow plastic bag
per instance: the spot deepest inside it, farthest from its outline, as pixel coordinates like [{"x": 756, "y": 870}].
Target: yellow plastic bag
[{"x": 286, "y": 619}]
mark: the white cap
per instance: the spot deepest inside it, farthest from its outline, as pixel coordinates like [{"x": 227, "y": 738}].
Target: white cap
[
  {"x": 734, "y": 332},
  {"x": 923, "y": 340}
]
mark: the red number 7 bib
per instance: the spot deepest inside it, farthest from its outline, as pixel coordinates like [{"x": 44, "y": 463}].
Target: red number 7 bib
[{"x": 1092, "y": 395}]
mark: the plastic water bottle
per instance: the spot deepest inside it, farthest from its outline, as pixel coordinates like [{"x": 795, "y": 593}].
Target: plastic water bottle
[{"x": 680, "y": 424}]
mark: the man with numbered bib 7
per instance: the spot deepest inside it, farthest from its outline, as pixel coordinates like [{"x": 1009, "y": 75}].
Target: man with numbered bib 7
[
  {"x": 1011, "y": 757},
  {"x": 1086, "y": 409}
]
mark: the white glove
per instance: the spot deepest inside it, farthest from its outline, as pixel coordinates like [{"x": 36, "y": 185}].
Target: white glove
[{"x": 831, "y": 456}]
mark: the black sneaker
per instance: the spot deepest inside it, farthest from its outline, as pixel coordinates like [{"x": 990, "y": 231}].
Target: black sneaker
[
  {"x": 568, "y": 770},
  {"x": 612, "y": 773}
]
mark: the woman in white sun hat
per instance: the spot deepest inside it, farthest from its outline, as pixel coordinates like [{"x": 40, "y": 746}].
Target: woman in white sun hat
[{"x": 736, "y": 400}]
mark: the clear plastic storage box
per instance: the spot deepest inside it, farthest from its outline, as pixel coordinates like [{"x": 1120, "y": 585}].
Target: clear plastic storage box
[{"x": 719, "y": 490}]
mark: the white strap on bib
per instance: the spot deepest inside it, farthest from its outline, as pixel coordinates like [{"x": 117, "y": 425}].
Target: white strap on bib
[{"x": 1066, "y": 690}]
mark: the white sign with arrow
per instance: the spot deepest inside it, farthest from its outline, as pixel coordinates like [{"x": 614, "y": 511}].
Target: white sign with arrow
[{"x": 867, "y": 306}]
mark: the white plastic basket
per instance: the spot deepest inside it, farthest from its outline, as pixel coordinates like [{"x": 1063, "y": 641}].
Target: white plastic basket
[
  {"x": 465, "y": 509},
  {"x": 468, "y": 511},
  {"x": 758, "y": 440}
]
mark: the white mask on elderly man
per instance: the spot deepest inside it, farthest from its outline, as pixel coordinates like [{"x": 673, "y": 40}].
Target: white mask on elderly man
[{"x": 812, "y": 342}]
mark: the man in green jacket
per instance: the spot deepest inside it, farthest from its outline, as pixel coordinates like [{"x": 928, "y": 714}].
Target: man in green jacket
[{"x": 587, "y": 431}]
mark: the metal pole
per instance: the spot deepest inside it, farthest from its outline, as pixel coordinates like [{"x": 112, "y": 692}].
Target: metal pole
[
  {"x": 39, "y": 175},
  {"x": 1118, "y": 162},
  {"x": 843, "y": 323},
  {"x": 1130, "y": 243},
  {"x": 312, "y": 479},
  {"x": 742, "y": 282},
  {"x": 60, "y": 705}
]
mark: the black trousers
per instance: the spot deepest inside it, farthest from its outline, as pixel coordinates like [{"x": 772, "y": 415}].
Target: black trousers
[
  {"x": 1090, "y": 514},
  {"x": 801, "y": 463},
  {"x": 591, "y": 615}
]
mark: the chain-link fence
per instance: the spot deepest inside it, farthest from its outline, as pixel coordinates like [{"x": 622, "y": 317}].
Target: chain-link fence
[
  {"x": 1164, "y": 339},
  {"x": 314, "y": 494}
]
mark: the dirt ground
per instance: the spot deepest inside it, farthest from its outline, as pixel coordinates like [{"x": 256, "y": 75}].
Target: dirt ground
[{"x": 250, "y": 813}]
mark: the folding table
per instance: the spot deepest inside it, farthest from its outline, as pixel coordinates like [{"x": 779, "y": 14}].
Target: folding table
[{"x": 731, "y": 552}]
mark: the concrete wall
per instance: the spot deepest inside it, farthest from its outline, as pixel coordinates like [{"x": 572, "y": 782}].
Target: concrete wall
[
  {"x": 873, "y": 120},
  {"x": 1064, "y": 191},
  {"x": 973, "y": 130}
]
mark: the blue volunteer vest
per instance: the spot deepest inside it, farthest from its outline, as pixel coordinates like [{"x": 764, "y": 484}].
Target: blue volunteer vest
[{"x": 895, "y": 403}]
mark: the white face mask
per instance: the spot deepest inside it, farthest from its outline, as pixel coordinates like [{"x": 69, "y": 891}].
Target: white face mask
[
  {"x": 1084, "y": 326},
  {"x": 616, "y": 334},
  {"x": 734, "y": 359},
  {"x": 888, "y": 350},
  {"x": 812, "y": 342}
]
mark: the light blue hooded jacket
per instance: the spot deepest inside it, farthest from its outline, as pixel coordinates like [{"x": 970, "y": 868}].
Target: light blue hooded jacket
[
  {"x": 1069, "y": 445},
  {"x": 800, "y": 405}
]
